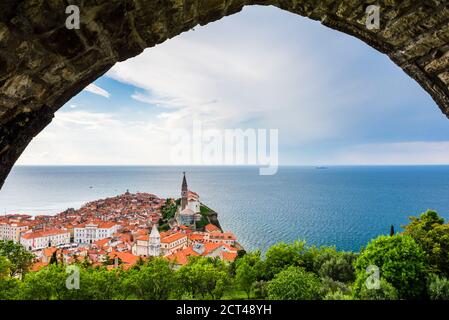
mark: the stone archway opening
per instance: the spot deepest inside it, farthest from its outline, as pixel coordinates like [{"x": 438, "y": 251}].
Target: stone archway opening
[{"x": 43, "y": 64}]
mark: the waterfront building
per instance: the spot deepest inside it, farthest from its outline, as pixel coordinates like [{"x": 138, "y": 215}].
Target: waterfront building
[
  {"x": 90, "y": 232},
  {"x": 173, "y": 242},
  {"x": 217, "y": 237},
  {"x": 213, "y": 250},
  {"x": 12, "y": 230},
  {"x": 36, "y": 240}
]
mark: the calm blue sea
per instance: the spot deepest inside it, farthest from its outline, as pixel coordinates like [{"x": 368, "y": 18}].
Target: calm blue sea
[{"x": 342, "y": 206}]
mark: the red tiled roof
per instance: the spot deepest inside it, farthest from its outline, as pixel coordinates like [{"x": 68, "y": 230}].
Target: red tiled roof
[
  {"x": 229, "y": 256},
  {"x": 102, "y": 242},
  {"x": 210, "y": 228},
  {"x": 126, "y": 257},
  {"x": 43, "y": 233},
  {"x": 182, "y": 257},
  {"x": 223, "y": 236},
  {"x": 173, "y": 237},
  {"x": 38, "y": 265},
  {"x": 48, "y": 251},
  {"x": 196, "y": 237}
]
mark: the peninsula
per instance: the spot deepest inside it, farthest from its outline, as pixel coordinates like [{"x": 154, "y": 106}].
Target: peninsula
[{"x": 122, "y": 230}]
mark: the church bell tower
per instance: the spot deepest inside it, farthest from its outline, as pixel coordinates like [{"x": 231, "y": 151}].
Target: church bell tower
[
  {"x": 184, "y": 192},
  {"x": 154, "y": 248}
]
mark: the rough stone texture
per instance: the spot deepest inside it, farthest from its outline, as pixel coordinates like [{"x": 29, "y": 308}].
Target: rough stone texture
[{"x": 43, "y": 64}]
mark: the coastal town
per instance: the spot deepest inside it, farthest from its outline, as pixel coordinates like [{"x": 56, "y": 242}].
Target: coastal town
[{"x": 123, "y": 230}]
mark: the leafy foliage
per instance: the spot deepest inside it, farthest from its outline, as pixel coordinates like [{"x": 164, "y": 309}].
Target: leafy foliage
[
  {"x": 438, "y": 288},
  {"x": 248, "y": 270},
  {"x": 20, "y": 259},
  {"x": 202, "y": 223},
  {"x": 282, "y": 255},
  {"x": 203, "y": 276},
  {"x": 168, "y": 210},
  {"x": 152, "y": 281},
  {"x": 385, "y": 292},
  {"x": 401, "y": 261},
  {"x": 432, "y": 234},
  {"x": 204, "y": 210},
  {"x": 294, "y": 283}
]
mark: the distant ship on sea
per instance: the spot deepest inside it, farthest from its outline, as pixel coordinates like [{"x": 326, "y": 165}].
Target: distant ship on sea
[{"x": 320, "y": 167}]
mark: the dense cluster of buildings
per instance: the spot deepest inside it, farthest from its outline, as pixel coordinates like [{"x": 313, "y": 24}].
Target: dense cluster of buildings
[{"x": 120, "y": 230}]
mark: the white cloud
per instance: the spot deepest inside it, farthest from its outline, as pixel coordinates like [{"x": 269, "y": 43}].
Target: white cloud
[
  {"x": 246, "y": 81},
  {"x": 93, "y": 88},
  {"x": 80, "y": 137}
]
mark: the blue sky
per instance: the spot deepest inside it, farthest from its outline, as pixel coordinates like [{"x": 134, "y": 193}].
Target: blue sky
[{"x": 333, "y": 99}]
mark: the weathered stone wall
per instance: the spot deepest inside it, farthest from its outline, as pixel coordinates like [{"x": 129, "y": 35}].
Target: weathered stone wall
[{"x": 43, "y": 64}]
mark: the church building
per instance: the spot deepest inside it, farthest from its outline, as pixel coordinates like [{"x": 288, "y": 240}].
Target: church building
[
  {"x": 189, "y": 210},
  {"x": 148, "y": 245}
]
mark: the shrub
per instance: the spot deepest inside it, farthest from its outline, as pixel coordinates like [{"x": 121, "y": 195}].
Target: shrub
[
  {"x": 438, "y": 287},
  {"x": 294, "y": 283},
  {"x": 401, "y": 262}
]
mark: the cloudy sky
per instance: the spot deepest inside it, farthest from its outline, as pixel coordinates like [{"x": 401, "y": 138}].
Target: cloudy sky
[{"x": 333, "y": 99}]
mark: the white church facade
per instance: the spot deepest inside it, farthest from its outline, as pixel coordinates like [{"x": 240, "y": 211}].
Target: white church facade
[{"x": 148, "y": 245}]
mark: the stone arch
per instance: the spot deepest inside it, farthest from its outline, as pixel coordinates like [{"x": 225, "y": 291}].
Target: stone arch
[{"x": 43, "y": 64}]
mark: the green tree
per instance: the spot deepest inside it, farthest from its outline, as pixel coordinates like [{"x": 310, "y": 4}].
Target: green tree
[
  {"x": 432, "y": 234},
  {"x": 330, "y": 286},
  {"x": 313, "y": 257},
  {"x": 248, "y": 270},
  {"x": 385, "y": 292},
  {"x": 202, "y": 276},
  {"x": 282, "y": 255},
  {"x": 438, "y": 287},
  {"x": 97, "y": 283},
  {"x": 168, "y": 210},
  {"x": 100, "y": 283},
  {"x": 153, "y": 281},
  {"x": 294, "y": 283},
  {"x": 260, "y": 289},
  {"x": 337, "y": 295},
  {"x": 9, "y": 287},
  {"x": 245, "y": 277},
  {"x": 339, "y": 267},
  {"x": 19, "y": 258},
  {"x": 401, "y": 263},
  {"x": 5, "y": 266},
  {"x": 45, "y": 284}
]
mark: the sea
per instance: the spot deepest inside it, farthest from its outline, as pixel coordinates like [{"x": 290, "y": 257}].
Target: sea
[{"x": 342, "y": 206}]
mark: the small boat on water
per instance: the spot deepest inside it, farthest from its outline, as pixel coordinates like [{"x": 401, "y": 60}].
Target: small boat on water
[{"x": 320, "y": 168}]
